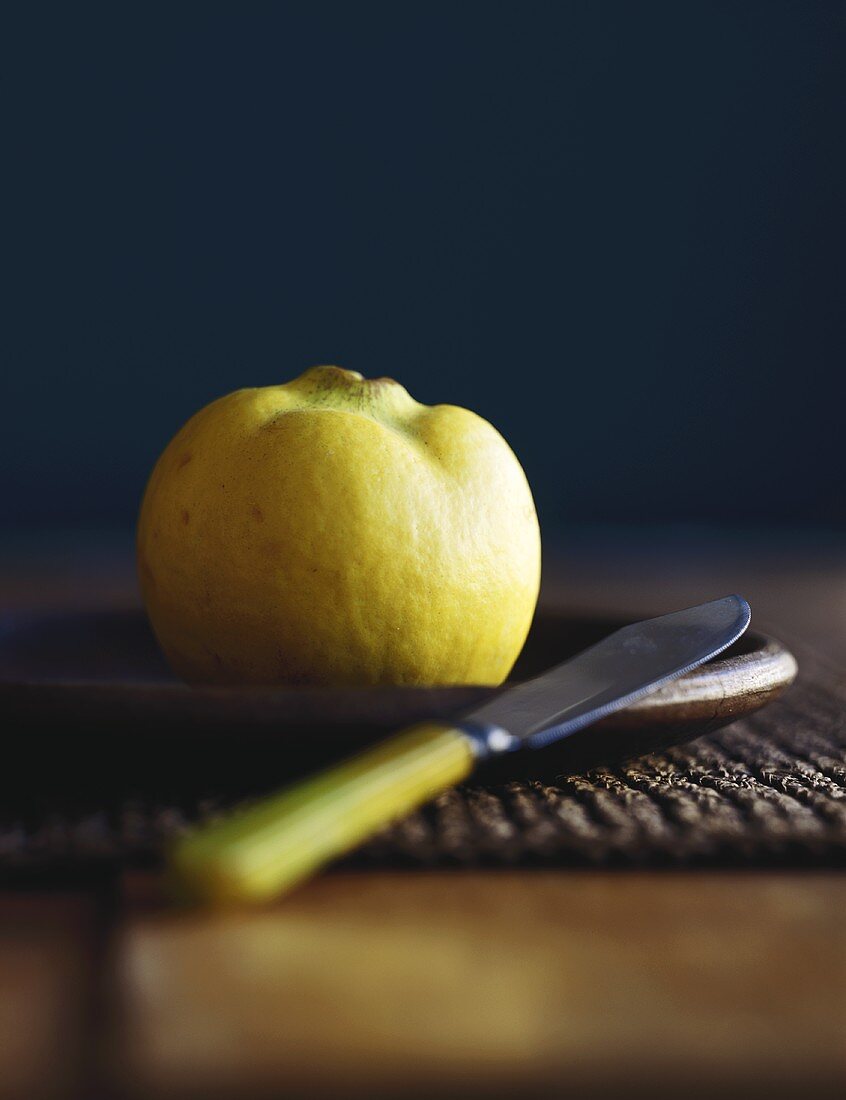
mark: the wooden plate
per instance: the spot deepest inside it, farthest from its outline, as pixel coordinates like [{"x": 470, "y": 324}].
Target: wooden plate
[{"x": 89, "y": 694}]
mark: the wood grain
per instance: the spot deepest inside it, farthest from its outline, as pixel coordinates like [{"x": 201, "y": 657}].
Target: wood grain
[
  {"x": 374, "y": 984},
  {"x": 47, "y": 950}
]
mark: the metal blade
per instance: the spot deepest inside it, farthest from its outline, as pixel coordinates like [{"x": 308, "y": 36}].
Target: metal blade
[{"x": 610, "y": 675}]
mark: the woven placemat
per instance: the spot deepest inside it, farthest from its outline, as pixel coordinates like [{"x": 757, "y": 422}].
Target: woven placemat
[{"x": 769, "y": 790}]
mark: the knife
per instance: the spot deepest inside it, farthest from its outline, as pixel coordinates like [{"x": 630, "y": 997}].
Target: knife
[{"x": 260, "y": 851}]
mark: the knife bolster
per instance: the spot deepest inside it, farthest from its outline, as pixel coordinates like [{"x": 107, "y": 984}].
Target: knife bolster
[{"x": 488, "y": 739}]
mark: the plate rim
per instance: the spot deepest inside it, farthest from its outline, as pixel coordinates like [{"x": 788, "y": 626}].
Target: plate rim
[{"x": 731, "y": 685}]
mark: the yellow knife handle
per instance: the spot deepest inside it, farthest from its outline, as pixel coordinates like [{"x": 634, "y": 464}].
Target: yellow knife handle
[{"x": 262, "y": 850}]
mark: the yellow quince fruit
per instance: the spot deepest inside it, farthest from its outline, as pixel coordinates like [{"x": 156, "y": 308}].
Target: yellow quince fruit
[{"x": 333, "y": 530}]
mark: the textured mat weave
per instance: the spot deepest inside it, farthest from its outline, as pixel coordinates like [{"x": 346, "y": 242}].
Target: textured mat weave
[{"x": 770, "y": 790}]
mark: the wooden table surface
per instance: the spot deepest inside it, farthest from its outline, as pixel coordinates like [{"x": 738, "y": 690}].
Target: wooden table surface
[{"x": 500, "y": 983}]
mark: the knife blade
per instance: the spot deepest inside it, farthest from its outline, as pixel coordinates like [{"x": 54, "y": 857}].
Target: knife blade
[
  {"x": 258, "y": 852},
  {"x": 611, "y": 674}
]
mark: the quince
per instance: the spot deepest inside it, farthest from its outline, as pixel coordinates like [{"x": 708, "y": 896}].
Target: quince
[{"x": 332, "y": 531}]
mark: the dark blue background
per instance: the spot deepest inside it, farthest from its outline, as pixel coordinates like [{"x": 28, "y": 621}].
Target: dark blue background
[{"x": 614, "y": 229}]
